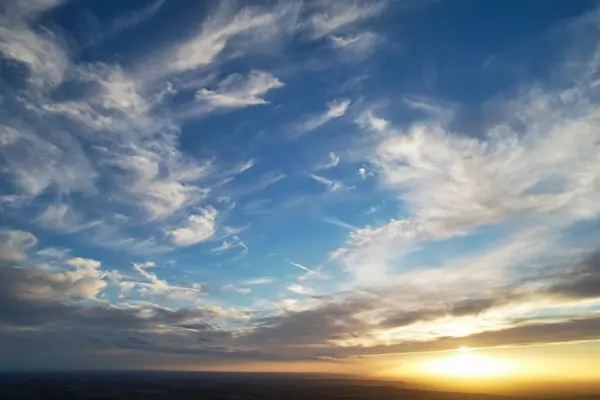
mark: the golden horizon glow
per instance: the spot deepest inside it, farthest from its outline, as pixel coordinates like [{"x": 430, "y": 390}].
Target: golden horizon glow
[{"x": 467, "y": 364}]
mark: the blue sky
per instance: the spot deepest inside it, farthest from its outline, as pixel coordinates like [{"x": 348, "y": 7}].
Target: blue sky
[{"x": 294, "y": 181}]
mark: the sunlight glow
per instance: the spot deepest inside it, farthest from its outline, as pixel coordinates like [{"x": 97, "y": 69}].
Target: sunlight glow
[{"x": 467, "y": 365}]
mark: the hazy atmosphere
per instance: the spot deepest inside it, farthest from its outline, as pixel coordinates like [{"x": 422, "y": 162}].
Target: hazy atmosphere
[{"x": 393, "y": 189}]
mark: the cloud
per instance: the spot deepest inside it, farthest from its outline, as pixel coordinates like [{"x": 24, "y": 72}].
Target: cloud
[
  {"x": 336, "y": 109},
  {"x": 61, "y": 217},
  {"x": 369, "y": 121},
  {"x": 234, "y": 243},
  {"x": 84, "y": 263},
  {"x": 160, "y": 287},
  {"x": 233, "y": 288},
  {"x": 14, "y": 245},
  {"x": 259, "y": 281},
  {"x": 200, "y": 228},
  {"x": 66, "y": 168},
  {"x": 258, "y": 206},
  {"x": 237, "y": 91},
  {"x": 82, "y": 280},
  {"x": 53, "y": 253},
  {"x": 335, "y": 16},
  {"x": 310, "y": 273},
  {"x": 580, "y": 281},
  {"x": 492, "y": 189},
  {"x": 262, "y": 182},
  {"x": 308, "y": 327},
  {"x": 363, "y": 173},
  {"x": 217, "y": 30},
  {"x": 223, "y": 247},
  {"x": 442, "y": 113},
  {"x": 245, "y": 166},
  {"x": 84, "y": 144},
  {"x": 125, "y": 22},
  {"x": 527, "y": 334},
  {"x": 359, "y": 45},
  {"x": 159, "y": 284},
  {"x": 299, "y": 289},
  {"x": 302, "y": 267},
  {"x": 339, "y": 222},
  {"x": 161, "y": 180},
  {"x": 331, "y": 184},
  {"x": 37, "y": 50},
  {"x": 450, "y": 184},
  {"x": 333, "y": 161}
]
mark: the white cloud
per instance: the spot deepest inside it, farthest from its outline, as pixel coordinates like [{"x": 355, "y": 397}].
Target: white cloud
[
  {"x": 262, "y": 182},
  {"x": 450, "y": 184},
  {"x": 239, "y": 91},
  {"x": 439, "y": 112},
  {"x": 363, "y": 173},
  {"x": 53, "y": 253},
  {"x": 39, "y": 51},
  {"x": 299, "y": 289},
  {"x": 331, "y": 184},
  {"x": 369, "y": 121},
  {"x": 14, "y": 245},
  {"x": 161, "y": 193},
  {"x": 259, "y": 281},
  {"x": 223, "y": 247},
  {"x": 360, "y": 45},
  {"x": 335, "y": 109},
  {"x": 335, "y": 16},
  {"x": 204, "y": 48},
  {"x": 66, "y": 168},
  {"x": 161, "y": 287},
  {"x": 233, "y": 288},
  {"x": 338, "y": 222},
  {"x": 333, "y": 161},
  {"x": 84, "y": 263},
  {"x": 159, "y": 284},
  {"x": 234, "y": 243},
  {"x": 244, "y": 167},
  {"x": 310, "y": 273},
  {"x": 462, "y": 182},
  {"x": 62, "y": 218},
  {"x": 200, "y": 228},
  {"x": 85, "y": 281},
  {"x": 302, "y": 267}
]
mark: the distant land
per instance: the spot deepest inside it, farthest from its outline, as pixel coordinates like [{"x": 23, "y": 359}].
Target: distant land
[{"x": 155, "y": 385}]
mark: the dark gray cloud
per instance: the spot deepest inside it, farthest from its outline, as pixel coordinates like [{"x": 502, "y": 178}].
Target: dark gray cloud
[
  {"x": 333, "y": 320},
  {"x": 582, "y": 281},
  {"x": 458, "y": 309},
  {"x": 32, "y": 298}
]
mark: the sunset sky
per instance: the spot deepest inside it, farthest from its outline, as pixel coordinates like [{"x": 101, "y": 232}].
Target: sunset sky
[{"x": 333, "y": 186}]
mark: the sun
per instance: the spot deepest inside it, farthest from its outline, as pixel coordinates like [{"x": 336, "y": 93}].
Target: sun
[{"x": 467, "y": 364}]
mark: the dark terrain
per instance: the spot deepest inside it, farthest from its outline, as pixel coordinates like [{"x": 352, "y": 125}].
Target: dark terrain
[{"x": 194, "y": 385}]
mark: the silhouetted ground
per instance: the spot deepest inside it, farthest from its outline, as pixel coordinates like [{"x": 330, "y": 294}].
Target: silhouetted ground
[{"x": 208, "y": 386}]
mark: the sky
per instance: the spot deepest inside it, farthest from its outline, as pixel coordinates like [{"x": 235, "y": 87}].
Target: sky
[{"x": 298, "y": 185}]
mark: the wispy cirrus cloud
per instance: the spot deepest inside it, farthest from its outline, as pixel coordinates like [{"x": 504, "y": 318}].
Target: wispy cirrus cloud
[
  {"x": 335, "y": 109},
  {"x": 333, "y": 185},
  {"x": 359, "y": 45},
  {"x": 332, "y": 161},
  {"x": 218, "y": 29},
  {"x": 332, "y": 17},
  {"x": 200, "y": 228},
  {"x": 237, "y": 91}
]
